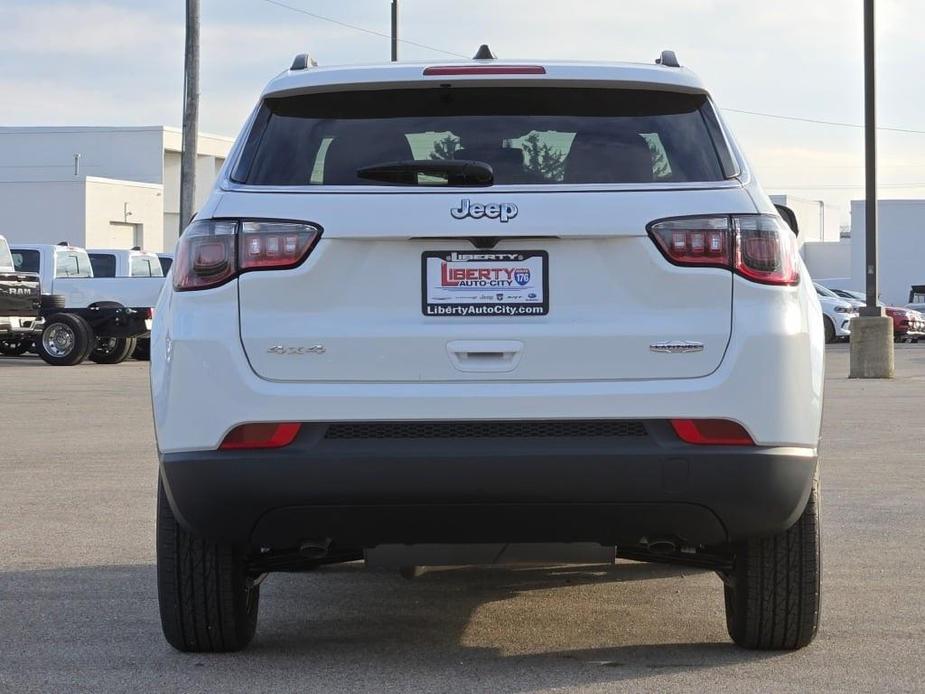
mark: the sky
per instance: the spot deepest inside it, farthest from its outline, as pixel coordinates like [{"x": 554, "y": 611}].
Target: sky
[{"x": 120, "y": 62}]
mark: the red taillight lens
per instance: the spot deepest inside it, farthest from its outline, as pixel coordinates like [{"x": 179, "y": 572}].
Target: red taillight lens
[
  {"x": 766, "y": 250},
  {"x": 264, "y": 435},
  {"x": 205, "y": 255},
  {"x": 700, "y": 241},
  {"x": 275, "y": 245},
  {"x": 213, "y": 251},
  {"x": 760, "y": 248},
  {"x": 447, "y": 70},
  {"x": 711, "y": 432}
]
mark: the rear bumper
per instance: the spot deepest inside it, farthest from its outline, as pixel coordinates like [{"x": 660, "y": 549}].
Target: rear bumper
[
  {"x": 20, "y": 327},
  {"x": 370, "y": 491}
]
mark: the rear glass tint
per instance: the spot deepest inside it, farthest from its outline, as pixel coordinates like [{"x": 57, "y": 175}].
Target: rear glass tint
[
  {"x": 72, "y": 264},
  {"x": 104, "y": 264},
  {"x": 26, "y": 260},
  {"x": 146, "y": 266},
  {"x": 529, "y": 135}
]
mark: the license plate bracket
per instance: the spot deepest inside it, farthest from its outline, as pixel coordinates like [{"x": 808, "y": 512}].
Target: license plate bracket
[{"x": 484, "y": 283}]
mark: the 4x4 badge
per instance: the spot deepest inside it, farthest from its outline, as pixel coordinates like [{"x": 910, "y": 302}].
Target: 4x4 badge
[{"x": 505, "y": 211}]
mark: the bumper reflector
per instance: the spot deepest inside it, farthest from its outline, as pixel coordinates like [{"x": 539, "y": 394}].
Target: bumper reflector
[
  {"x": 262, "y": 435},
  {"x": 712, "y": 432}
]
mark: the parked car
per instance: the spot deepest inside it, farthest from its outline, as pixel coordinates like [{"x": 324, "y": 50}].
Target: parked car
[
  {"x": 415, "y": 343},
  {"x": 111, "y": 262},
  {"x": 856, "y": 299},
  {"x": 917, "y": 297},
  {"x": 85, "y": 316},
  {"x": 908, "y": 324},
  {"x": 837, "y": 314},
  {"x": 20, "y": 305}
]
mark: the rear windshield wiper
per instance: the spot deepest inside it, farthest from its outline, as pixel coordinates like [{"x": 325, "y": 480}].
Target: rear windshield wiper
[{"x": 457, "y": 172}]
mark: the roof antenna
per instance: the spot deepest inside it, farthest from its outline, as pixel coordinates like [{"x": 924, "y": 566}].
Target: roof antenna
[
  {"x": 303, "y": 61},
  {"x": 668, "y": 59},
  {"x": 484, "y": 53}
]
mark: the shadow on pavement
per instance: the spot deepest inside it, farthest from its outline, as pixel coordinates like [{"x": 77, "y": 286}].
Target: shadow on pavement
[{"x": 342, "y": 627}]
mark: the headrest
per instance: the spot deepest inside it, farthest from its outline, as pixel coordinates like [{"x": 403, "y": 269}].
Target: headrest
[
  {"x": 349, "y": 152},
  {"x": 601, "y": 157}
]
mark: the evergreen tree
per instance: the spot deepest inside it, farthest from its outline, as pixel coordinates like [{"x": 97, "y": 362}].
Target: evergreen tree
[
  {"x": 543, "y": 160},
  {"x": 445, "y": 148}
]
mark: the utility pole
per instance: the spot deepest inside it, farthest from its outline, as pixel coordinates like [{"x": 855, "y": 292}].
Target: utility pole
[
  {"x": 872, "y": 332},
  {"x": 394, "y": 31},
  {"x": 870, "y": 160},
  {"x": 190, "y": 115}
]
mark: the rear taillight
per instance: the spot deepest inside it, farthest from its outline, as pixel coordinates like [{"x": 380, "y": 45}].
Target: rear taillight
[
  {"x": 712, "y": 432},
  {"x": 213, "y": 251},
  {"x": 275, "y": 245},
  {"x": 262, "y": 435},
  {"x": 760, "y": 248}
]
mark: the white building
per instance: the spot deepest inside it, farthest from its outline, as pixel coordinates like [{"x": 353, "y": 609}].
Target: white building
[
  {"x": 818, "y": 221},
  {"x": 99, "y": 187},
  {"x": 901, "y": 236},
  {"x": 826, "y": 255}
]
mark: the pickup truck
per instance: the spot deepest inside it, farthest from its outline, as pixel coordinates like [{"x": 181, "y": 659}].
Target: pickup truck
[
  {"x": 99, "y": 318},
  {"x": 118, "y": 262},
  {"x": 20, "y": 305}
]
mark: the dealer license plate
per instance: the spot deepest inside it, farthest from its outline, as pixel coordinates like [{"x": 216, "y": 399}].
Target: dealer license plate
[{"x": 485, "y": 283}]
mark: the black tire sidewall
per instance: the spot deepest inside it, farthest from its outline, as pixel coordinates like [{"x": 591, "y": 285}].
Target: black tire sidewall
[
  {"x": 238, "y": 608},
  {"x": 123, "y": 348},
  {"x": 829, "y": 330},
  {"x": 83, "y": 340}
]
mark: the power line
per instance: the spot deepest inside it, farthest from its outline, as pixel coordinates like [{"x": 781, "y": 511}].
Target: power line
[
  {"x": 359, "y": 28},
  {"x": 820, "y": 122}
]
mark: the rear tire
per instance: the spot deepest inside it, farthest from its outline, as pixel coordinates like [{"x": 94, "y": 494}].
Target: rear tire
[
  {"x": 65, "y": 341},
  {"x": 112, "y": 350},
  {"x": 773, "y": 592},
  {"x": 143, "y": 349},
  {"x": 829, "y": 330},
  {"x": 208, "y": 603}
]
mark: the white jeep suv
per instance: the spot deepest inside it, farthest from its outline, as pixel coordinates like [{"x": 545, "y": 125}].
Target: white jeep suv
[{"x": 480, "y": 313}]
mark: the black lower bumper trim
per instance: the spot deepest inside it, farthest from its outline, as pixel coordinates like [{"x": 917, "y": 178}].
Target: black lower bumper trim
[{"x": 364, "y": 492}]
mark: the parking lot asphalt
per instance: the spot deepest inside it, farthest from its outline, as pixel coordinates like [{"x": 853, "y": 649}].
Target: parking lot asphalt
[{"x": 78, "y": 607}]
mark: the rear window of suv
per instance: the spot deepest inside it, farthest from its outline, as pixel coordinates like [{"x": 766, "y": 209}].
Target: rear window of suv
[{"x": 529, "y": 135}]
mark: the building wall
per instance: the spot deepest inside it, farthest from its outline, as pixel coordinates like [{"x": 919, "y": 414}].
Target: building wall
[
  {"x": 122, "y": 214},
  {"x": 148, "y": 155},
  {"x": 212, "y": 151},
  {"x": 818, "y": 221},
  {"x": 43, "y": 211},
  {"x": 826, "y": 260},
  {"x": 902, "y": 247}
]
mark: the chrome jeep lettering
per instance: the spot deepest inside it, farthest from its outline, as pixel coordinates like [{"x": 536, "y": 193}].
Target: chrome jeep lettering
[{"x": 504, "y": 211}]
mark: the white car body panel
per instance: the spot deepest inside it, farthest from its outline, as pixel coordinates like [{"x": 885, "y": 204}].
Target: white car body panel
[{"x": 761, "y": 366}]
